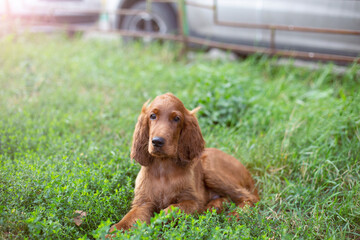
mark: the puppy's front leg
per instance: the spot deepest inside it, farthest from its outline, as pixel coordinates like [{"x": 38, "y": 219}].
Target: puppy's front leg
[
  {"x": 142, "y": 213},
  {"x": 187, "y": 206}
]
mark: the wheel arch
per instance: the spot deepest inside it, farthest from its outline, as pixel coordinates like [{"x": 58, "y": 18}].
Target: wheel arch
[{"x": 126, "y": 4}]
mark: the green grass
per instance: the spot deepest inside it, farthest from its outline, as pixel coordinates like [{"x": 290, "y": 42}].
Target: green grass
[{"x": 68, "y": 109}]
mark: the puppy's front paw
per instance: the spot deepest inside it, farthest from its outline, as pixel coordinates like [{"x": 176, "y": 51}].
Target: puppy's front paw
[
  {"x": 119, "y": 226},
  {"x": 170, "y": 209},
  {"x": 114, "y": 227}
]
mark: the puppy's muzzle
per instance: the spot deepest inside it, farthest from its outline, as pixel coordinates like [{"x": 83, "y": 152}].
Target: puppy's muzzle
[{"x": 158, "y": 142}]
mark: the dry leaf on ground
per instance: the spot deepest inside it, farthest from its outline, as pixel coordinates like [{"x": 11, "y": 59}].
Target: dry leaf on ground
[{"x": 79, "y": 215}]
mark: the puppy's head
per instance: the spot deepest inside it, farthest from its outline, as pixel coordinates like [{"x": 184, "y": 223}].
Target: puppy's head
[{"x": 166, "y": 129}]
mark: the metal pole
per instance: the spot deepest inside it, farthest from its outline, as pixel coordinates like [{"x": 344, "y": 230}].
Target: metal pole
[
  {"x": 272, "y": 40},
  {"x": 184, "y": 18},
  {"x": 183, "y": 26}
]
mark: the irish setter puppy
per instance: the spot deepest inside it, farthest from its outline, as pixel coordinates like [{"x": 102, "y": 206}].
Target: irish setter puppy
[{"x": 176, "y": 168}]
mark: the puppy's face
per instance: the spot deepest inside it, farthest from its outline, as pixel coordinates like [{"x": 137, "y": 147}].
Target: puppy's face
[
  {"x": 166, "y": 119},
  {"x": 166, "y": 129}
]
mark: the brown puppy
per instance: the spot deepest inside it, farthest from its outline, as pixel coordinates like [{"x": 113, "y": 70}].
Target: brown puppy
[{"x": 176, "y": 168}]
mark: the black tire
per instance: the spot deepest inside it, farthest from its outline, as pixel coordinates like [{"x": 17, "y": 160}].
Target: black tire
[{"x": 161, "y": 20}]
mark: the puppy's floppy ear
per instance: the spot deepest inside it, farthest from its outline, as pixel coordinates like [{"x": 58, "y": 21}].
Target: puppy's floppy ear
[
  {"x": 191, "y": 142},
  {"x": 139, "y": 149}
]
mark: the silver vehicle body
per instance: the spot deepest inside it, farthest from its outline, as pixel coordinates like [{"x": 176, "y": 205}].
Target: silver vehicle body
[
  {"x": 60, "y": 11},
  {"x": 330, "y": 14},
  {"x": 340, "y": 14}
]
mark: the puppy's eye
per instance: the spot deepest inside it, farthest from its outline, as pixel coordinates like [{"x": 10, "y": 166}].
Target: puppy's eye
[
  {"x": 177, "y": 119},
  {"x": 153, "y": 116}
]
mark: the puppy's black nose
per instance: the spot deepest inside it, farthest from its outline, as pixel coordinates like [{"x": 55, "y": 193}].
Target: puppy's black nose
[{"x": 158, "y": 141}]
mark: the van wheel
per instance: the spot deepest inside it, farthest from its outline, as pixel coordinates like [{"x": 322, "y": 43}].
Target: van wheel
[{"x": 162, "y": 19}]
